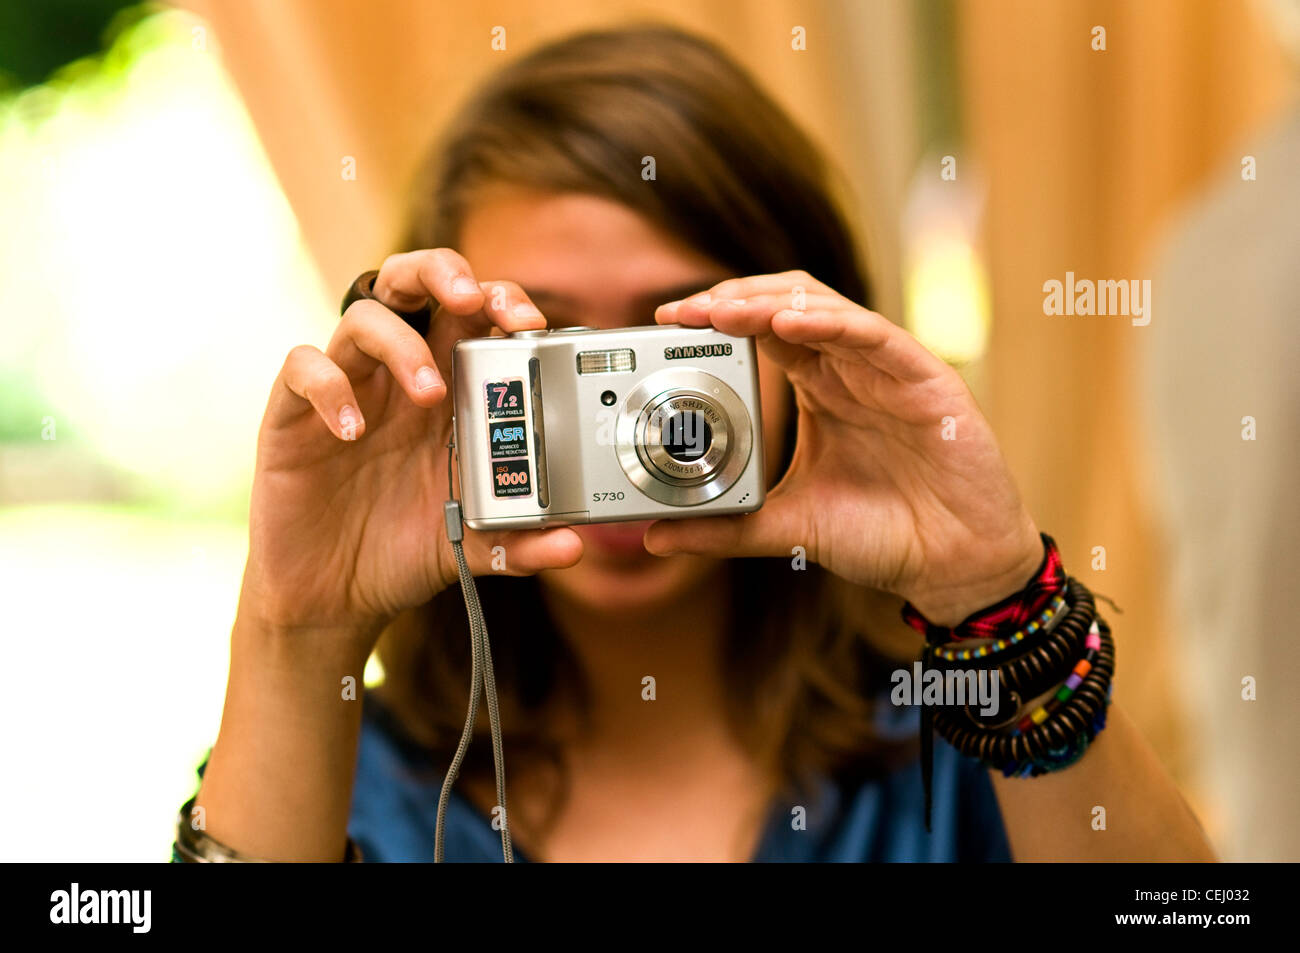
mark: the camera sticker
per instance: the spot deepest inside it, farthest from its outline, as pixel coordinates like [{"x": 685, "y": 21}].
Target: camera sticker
[
  {"x": 505, "y": 398},
  {"x": 508, "y": 438},
  {"x": 511, "y": 478}
]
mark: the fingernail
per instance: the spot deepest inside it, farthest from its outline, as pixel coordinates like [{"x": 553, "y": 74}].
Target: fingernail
[
  {"x": 525, "y": 309},
  {"x": 736, "y": 301},
  {"x": 465, "y": 285},
  {"x": 426, "y": 378},
  {"x": 348, "y": 422},
  {"x": 654, "y": 551},
  {"x": 702, "y": 300}
]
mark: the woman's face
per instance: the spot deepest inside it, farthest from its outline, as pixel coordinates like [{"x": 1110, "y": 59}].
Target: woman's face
[{"x": 589, "y": 261}]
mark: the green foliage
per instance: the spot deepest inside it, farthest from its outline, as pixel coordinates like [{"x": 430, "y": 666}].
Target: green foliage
[
  {"x": 22, "y": 410},
  {"x": 39, "y": 36}
]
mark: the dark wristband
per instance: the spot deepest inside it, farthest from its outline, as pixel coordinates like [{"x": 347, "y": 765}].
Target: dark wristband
[{"x": 364, "y": 287}]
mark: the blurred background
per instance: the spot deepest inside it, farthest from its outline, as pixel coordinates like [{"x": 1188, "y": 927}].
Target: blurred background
[{"x": 186, "y": 190}]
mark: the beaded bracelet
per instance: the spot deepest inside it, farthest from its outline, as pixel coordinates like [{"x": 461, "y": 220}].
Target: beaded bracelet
[
  {"x": 1061, "y": 757},
  {"x": 1060, "y": 740},
  {"x": 1084, "y": 723},
  {"x": 1068, "y": 722},
  {"x": 1077, "y": 714},
  {"x": 1060, "y": 691},
  {"x": 973, "y": 653},
  {"x": 998, "y": 652},
  {"x": 1048, "y": 661},
  {"x": 1073, "y": 715},
  {"x": 1089, "y": 719},
  {"x": 1037, "y": 666},
  {"x": 1078, "y": 719},
  {"x": 1081, "y": 669}
]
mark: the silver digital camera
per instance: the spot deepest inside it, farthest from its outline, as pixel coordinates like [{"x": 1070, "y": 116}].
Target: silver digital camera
[{"x": 579, "y": 425}]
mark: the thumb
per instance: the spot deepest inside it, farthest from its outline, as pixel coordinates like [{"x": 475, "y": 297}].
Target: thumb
[
  {"x": 769, "y": 532},
  {"x": 522, "y": 552}
]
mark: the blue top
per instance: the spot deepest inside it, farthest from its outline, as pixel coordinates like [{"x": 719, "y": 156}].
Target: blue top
[{"x": 395, "y": 806}]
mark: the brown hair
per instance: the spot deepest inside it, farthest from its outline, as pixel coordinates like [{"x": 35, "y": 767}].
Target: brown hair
[{"x": 738, "y": 181}]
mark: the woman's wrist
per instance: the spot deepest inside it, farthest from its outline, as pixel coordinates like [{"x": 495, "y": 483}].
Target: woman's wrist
[
  {"x": 288, "y": 626},
  {"x": 279, "y": 780},
  {"x": 952, "y": 606},
  {"x": 308, "y": 645}
]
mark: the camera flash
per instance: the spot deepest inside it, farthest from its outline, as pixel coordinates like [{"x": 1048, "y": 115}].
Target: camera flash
[{"x": 621, "y": 361}]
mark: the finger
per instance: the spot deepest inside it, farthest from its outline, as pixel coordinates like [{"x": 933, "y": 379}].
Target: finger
[
  {"x": 370, "y": 335},
  {"x": 785, "y": 282},
  {"x": 793, "y": 284},
  {"x": 826, "y": 322},
  {"x": 746, "y": 317},
  {"x": 752, "y": 315},
  {"x": 407, "y": 281},
  {"x": 855, "y": 333},
  {"x": 524, "y": 552},
  {"x": 505, "y": 305},
  {"x": 771, "y": 531},
  {"x": 310, "y": 379},
  {"x": 508, "y": 306}
]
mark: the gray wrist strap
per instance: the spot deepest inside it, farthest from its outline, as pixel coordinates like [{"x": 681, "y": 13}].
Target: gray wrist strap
[{"x": 481, "y": 679}]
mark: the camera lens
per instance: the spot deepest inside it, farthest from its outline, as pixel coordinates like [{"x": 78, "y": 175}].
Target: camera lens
[{"x": 686, "y": 436}]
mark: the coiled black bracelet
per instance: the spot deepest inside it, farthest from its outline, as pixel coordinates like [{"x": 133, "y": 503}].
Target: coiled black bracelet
[
  {"x": 1044, "y": 661},
  {"x": 1051, "y": 743}
]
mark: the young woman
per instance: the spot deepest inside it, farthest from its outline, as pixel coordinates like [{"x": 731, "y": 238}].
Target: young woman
[{"x": 769, "y": 733}]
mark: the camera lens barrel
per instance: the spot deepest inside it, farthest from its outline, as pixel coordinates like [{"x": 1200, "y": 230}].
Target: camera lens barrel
[{"x": 684, "y": 436}]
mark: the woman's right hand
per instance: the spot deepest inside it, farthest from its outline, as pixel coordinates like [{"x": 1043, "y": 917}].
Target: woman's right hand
[{"x": 346, "y": 526}]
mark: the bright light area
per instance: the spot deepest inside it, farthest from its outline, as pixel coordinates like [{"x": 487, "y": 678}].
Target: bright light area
[
  {"x": 946, "y": 297},
  {"x": 116, "y": 629},
  {"x": 155, "y": 278}
]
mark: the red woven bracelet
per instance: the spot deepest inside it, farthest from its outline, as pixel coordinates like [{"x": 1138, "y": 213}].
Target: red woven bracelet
[{"x": 1004, "y": 618}]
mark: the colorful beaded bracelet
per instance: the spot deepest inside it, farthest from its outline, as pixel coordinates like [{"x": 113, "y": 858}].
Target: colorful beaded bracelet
[
  {"x": 1074, "y": 715},
  {"x": 1032, "y": 668},
  {"x": 1071, "y": 716},
  {"x": 1072, "y": 726},
  {"x": 1061, "y": 757},
  {"x": 1081, "y": 669},
  {"x": 1049, "y": 660},
  {"x": 993, "y": 752},
  {"x": 1044, "y": 623}
]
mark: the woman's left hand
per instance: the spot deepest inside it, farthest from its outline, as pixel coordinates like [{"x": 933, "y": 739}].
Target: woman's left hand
[{"x": 896, "y": 483}]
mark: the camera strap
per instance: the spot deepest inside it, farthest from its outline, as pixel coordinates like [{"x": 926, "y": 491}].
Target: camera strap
[
  {"x": 481, "y": 677},
  {"x": 482, "y": 681}
]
